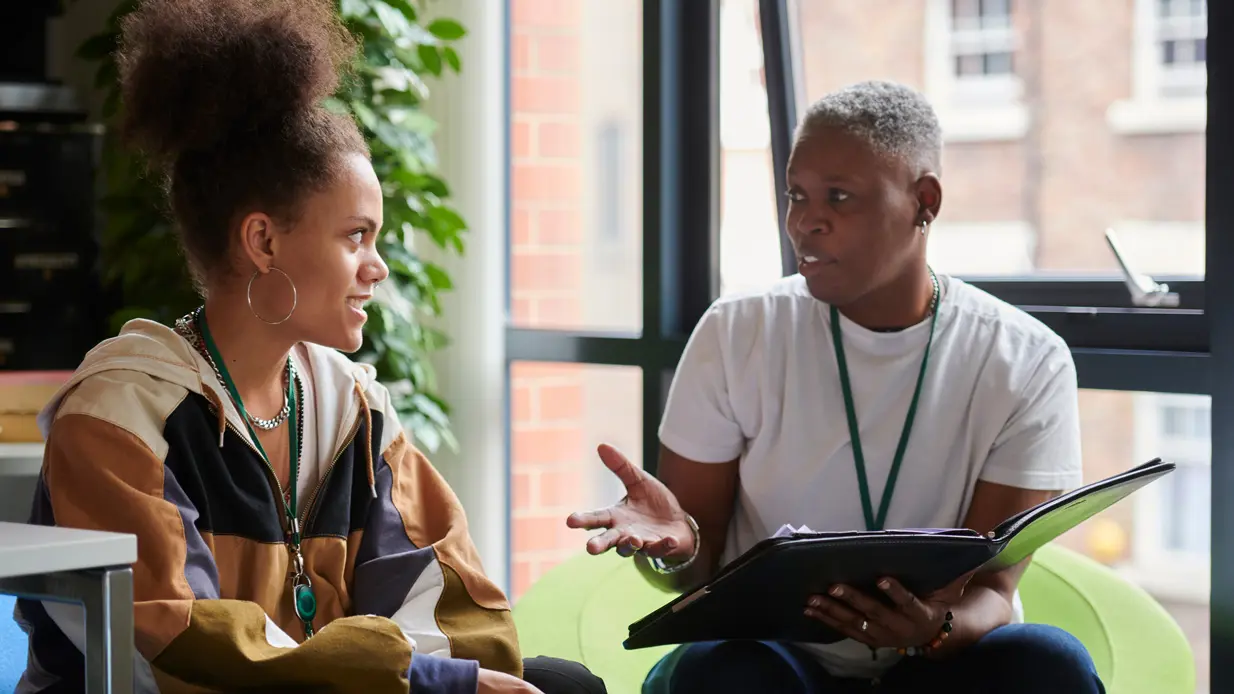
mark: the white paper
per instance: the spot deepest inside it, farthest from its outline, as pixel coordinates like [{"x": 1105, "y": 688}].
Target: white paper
[{"x": 787, "y": 530}]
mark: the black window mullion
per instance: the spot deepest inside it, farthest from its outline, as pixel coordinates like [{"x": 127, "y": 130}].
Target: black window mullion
[
  {"x": 1219, "y": 285},
  {"x": 778, "y": 66},
  {"x": 681, "y": 196}
]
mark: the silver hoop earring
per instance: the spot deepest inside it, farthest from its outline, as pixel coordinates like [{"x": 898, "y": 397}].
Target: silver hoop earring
[{"x": 294, "y": 297}]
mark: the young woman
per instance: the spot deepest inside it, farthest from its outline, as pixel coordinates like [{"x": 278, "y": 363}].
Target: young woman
[
  {"x": 290, "y": 537},
  {"x": 865, "y": 392}
]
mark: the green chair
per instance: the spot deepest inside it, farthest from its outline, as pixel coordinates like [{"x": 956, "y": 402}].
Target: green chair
[{"x": 580, "y": 610}]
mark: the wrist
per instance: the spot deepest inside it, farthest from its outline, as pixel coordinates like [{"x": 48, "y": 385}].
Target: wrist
[{"x": 663, "y": 566}]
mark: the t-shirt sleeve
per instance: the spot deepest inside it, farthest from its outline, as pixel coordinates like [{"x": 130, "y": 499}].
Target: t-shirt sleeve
[
  {"x": 1039, "y": 447},
  {"x": 698, "y": 422}
]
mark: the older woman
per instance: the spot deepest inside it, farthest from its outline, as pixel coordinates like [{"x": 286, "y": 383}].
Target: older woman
[{"x": 866, "y": 391}]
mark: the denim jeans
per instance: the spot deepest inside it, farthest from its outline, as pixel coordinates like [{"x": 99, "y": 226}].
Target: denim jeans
[{"x": 1014, "y": 659}]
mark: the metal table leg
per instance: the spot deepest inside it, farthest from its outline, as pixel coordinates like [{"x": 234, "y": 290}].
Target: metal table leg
[{"x": 107, "y": 595}]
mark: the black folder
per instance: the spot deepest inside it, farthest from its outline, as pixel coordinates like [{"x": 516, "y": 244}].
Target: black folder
[{"x": 762, "y": 593}]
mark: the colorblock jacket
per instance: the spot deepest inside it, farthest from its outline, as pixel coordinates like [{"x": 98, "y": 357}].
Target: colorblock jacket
[{"x": 144, "y": 440}]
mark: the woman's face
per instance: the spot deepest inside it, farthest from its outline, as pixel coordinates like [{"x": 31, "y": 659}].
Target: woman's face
[
  {"x": 854, "y": 215},
  {"x": 331, "y": 255}
]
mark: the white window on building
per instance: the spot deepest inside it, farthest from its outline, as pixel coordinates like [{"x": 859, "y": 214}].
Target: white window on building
[
  {"x": 971, "y": 75},
  {"x": 1172, "y": 528},
  {"x": 1169, "y": 69},
  {"x": 1182, "y": 30}
]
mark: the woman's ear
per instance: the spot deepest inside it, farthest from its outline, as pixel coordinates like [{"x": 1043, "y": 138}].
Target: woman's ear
[
  {"x": 929, "y": 198},
  {"x": 257, "y": 240}
]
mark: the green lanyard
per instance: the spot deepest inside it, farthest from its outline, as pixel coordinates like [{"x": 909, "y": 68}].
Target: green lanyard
[
  {"x": 872, "y": 522},
  {"x": 302, "y": 589}
]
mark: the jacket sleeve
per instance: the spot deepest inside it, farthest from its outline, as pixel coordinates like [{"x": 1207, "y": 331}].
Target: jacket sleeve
[
  {"x": 418, "y": 565},
  {"x": 105, "y": 475}
]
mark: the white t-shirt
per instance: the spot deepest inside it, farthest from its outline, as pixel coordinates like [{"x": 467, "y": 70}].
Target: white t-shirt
[{"x": 758, "y": 381}]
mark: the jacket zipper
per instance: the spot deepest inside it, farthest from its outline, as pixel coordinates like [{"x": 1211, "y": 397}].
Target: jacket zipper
[
  {"x": 310, "y": 508},
  {"x": 270, "y": 474}
]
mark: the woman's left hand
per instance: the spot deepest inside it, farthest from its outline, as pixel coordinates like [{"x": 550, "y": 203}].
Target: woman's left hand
[{"x": 909, "y": 621}]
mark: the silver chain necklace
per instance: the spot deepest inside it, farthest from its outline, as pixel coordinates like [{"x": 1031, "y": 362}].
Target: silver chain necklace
[{"x": 187, "y": 328}]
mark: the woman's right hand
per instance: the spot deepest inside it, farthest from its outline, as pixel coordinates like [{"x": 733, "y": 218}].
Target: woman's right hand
[
  {"x": 495, "y": 682},
  {"x": 648, "y": 519}
]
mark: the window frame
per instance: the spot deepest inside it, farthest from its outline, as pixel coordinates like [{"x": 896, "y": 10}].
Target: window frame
[{"x": 680, "y": 216}]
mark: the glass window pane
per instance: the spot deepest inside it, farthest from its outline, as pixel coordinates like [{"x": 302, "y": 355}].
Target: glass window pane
[
  {"x": 1158, "y": 537},
  {"x": 576, "y": 165},
  {"x": 1092, "y": 128},
  {"x": 558, "y": 414},
  {"x": 749, "y": 232}
]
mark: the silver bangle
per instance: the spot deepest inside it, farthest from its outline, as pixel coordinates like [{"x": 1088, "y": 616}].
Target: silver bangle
[{"x": 658, "y": 564}]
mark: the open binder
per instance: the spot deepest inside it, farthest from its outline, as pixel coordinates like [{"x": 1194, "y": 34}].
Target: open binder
[{"x": 762, "y": 594}]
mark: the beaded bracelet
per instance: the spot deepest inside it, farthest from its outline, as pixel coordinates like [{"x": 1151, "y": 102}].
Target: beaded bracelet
[{"x": 943, "y": 633}]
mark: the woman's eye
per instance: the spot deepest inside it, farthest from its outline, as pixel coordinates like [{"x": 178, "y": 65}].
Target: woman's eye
[
  {"x": 837, "y": 195},
  {"x": 794, "y": 196},
  {"x": 357, "y": 236}
]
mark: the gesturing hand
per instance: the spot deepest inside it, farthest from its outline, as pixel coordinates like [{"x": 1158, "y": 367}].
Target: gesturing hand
[
  {"x": 647, "y": 519},
  {"x": 909, "y": 621}
]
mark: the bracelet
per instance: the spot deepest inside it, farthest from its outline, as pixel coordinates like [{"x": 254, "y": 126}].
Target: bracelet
[
  {"x": 943, "y": 633},
  {"x": 658, "y": 564}
]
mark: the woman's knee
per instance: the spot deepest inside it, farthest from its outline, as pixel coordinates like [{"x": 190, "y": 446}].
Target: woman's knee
[
  {"x": 1031, "y": 657},
  {"x": 558, "y": 676}
]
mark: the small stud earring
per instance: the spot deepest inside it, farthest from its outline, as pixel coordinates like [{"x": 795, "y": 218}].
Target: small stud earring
[{"x": 925, "y": 226}]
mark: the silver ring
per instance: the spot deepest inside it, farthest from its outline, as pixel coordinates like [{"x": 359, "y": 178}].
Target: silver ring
[
  {"x": 294, "y": 297},
  {"x": 864, "y": 625}
]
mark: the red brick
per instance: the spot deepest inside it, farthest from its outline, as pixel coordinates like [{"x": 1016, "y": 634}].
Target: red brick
[
  {"x": 544, "y": 13},
  {"x": 546, "y": 182},
  {"x": 557, "y": 227},
  {"x": 520, "y": 52},
  {"x": 523, "y": 490},
  {"x": 533, "y": 373},
  {"x": 556, "y": 54},
  {"x": 543, "y": 534},
  {"x": 545, "y": 271},
  {"x": 556, "y": 95},
  {"x": 558, "y": 312},
  {"x": 520, "y": 311},
  {"x": 562, "y": 489},
  {"x": 520, "y": 228},
  {"x": 546, "y": 446},
  {"x": 521, "y": 408},
  {"x": 520, "y": 140},
  {"x": 560, "y": 402},
  {"x": 557, "y": 140},
  {"x": 521, "y": 579}
]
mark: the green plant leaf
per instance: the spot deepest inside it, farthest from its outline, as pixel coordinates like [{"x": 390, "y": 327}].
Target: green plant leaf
[
  {"x": 452, "y": 58},
  {"x": 447, "y": 29},
  {"x": 405, "y": 7},
  {"x": 430, "y": 58}
]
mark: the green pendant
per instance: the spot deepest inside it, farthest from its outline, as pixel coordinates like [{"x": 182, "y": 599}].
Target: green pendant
[{"x": 306, "y": 603}]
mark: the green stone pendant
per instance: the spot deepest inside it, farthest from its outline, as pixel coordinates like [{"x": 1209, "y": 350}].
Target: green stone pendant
[{"x": 306, "y": 603}]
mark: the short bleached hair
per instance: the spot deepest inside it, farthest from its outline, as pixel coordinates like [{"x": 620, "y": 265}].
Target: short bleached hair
[{"x": 895, "y": 120}]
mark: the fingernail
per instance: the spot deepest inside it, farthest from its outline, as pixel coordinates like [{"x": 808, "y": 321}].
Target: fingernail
[
  {"x": 670, "y": 543},
  {"x": 837, "y": 591},
  {"x": 809, "y": 612},
  {"x": 815, "y": 602},
  {"x": 884, "y": 584}
]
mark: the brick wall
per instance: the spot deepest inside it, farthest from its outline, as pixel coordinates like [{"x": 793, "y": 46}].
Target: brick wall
[{"x": 545, "y": 279}]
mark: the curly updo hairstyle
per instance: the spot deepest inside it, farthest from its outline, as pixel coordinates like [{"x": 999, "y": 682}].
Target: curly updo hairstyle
[{"x": 225, "y": 98}]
